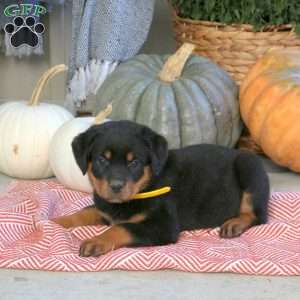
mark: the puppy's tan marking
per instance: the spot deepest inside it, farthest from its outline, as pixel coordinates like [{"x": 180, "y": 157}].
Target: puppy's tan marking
[
  {"x": 138, "y": 218},
  {"x": 113, "y": 238},
  {"x": 86, "y": 216},
  {"x": 103, "y": 190},
  {"x": 101, "y": 186},
  {"x": 236, "y": 226},
  {"x": 129, "y": 156},
  {"x": 142, "y": 182},
  {"x": 107, "y": 154}
]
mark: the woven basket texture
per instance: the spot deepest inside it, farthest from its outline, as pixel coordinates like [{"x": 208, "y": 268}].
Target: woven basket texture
[{"x": 234, "y": 47}]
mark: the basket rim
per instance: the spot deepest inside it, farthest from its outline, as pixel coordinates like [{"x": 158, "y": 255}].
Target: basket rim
[{"x": 237, "y": 27}]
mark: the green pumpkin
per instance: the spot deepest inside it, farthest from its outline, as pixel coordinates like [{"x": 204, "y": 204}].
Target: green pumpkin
[{"x": 188, "y": 100}]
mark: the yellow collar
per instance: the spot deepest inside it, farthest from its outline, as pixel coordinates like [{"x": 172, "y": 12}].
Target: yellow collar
[{"x": 153, "y": 193}]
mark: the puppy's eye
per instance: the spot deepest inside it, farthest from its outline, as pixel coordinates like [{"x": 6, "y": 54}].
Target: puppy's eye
[{"x": 134, "y": 164}]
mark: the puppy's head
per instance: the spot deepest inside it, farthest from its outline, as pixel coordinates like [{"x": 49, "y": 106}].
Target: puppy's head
[{"x": 120, "y": 158}]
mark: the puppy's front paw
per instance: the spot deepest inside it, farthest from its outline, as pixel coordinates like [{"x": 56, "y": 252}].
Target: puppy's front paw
[
  {"x": 234, "y": 227},
  {"x": 95, "y": 247},
  {"x": 111, "y": 239}
]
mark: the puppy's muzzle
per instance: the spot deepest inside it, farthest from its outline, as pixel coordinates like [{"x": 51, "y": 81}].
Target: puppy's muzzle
[{"x": 116, "y": 185}]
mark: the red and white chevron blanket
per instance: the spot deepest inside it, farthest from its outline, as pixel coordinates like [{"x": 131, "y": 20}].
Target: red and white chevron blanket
[{"x": 28, "y": 240}]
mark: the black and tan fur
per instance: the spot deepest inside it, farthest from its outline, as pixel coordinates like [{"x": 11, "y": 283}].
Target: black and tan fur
[{"x": 211, "y": 186}]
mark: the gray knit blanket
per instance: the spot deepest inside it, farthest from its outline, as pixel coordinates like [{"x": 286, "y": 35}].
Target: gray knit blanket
[{"x": 104, "y": 33}]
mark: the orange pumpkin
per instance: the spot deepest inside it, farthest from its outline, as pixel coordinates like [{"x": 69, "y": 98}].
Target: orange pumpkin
[{"x": 270, "y": 106}]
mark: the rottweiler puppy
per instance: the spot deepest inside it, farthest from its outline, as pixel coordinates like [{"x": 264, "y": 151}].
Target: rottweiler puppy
[{"x": 210, "y": 185}]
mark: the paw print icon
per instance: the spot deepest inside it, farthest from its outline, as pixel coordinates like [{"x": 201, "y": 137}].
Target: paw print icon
[{"x": 24, "y": 31}]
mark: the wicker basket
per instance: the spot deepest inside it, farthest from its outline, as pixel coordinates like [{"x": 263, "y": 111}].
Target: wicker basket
[{"x": 235, "y": 48}]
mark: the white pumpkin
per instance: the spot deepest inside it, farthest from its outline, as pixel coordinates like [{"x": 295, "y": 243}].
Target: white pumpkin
[
  {"x": 61, "y": 156},
  {"x": 26, "y": 129}
]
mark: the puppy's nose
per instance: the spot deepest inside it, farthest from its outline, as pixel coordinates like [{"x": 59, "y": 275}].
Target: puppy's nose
[{"x": 116, "y": 185}]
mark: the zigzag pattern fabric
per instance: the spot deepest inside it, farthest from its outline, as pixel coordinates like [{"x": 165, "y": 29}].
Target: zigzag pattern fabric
[{"x": 28, "y": 240}]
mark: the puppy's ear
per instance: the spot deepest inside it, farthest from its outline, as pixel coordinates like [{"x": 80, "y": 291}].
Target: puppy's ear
[
  {"x": 81, "y": 147},
  {"x": 158, "y": 146}
]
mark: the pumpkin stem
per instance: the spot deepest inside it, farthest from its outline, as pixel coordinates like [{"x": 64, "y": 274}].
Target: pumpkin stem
[
  {"x": 103, "y": 114},
  {"x": 174, "y": 65},
  {"x": 34, "y": 100}
]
